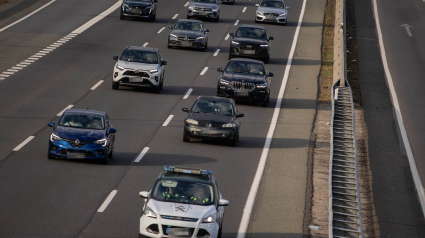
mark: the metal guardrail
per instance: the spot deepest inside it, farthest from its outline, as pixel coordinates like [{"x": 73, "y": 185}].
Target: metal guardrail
[{"x": 340, "y": 48}]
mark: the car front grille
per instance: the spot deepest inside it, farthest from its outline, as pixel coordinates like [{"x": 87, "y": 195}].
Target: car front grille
[
  {"x": 202, "y": 9},
  {"x": 249, "y": 47},
  {"x": 182, "y": 38},
  {"x": 207, "y": 124},
  {"x": 180, "y": 218},
  {"x": 271, "y": 14},
  {"x": 239, "y": 85},
  {"x": 132, "y": 73},
  {"x": 87, "y": 153},
  {"x": 164, "y": 230},
  {"x": 80, "y": 145}
]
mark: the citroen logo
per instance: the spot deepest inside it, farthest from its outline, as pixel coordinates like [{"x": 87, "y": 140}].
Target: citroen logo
[
  {"x": 77, "y": 142},
  {"x": 181, "y": 208},
  {"x": 210, "y": 125}
]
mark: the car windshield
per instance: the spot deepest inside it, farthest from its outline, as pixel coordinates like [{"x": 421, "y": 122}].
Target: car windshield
[
  {"x": 245, "y": 68},
  {"x": 205, "y": 1},
  {"x": 275, "y": 4},
  {"x": 192, "y": 26},
  {"x": 183, "y": 192},
  {"x": 139, "y": 56},
  {"x": 214, "y": 107},
  {"x": 83, "y": 121},
  {"x": 251, "y": 32}
]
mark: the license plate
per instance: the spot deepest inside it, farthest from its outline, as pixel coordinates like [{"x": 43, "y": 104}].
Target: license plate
[
  {"x": 177, "y": 232},
  {"x": 75, "y": 155},
  {"x": 202, "y": 13},
  {"x": 241, "y": 92},
  {"x": 134, "y": 80},
  {"x": 186, "y": 43},
  {"x": 249, "y": 52}
]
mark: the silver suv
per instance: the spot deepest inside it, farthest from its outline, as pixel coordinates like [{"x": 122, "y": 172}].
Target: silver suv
[{"x": 204, "y": 9}]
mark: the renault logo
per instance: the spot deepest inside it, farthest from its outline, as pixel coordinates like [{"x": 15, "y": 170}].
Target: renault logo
[{"x": 77, "y": 142}]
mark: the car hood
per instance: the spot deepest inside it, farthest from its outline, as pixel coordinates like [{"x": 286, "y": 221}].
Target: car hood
[
  {"x": 138, "y": 4},
  {"x": 250, "y": 40},
  {"x": 247, "y": 78},
  {"x": 135, "y": 65},
  {"x": 188, "y": 33},
  {"x": 211, "y": 117},
  {"x": 73, "y": 133},
  {"x": 271, "y": 10},
  {"x": 181, "y": 209},
  {"x": 203, "y": 5}
]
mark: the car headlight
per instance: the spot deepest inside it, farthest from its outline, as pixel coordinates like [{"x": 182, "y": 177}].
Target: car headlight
[
  {"x": 214, "y": 10},
  {"x": 53, "y": 136},
  {"x": 200, "y": 38},
  {"x": 283, "y": 15},
  {"x": 153, "y": 70},
  {"x": 263, "y": 85},
  {"x": 119, "y": 67},
  {"x": 173, "y": 37},
  {"x": 229, "y": 125},
  {"x": 260, "y": 13},
  {"x": 102, "y": 142},
  {"x": 149, "y": 213},
  {"x": 224, "y": 82},
  {"x": 125, "y": 6},
  {"x": 234, "y": 43},
  {"x": 190, "y": 8},
  {"x": 191, "y": 121},
  {"x": 264, "y": 45},
  {"x": 210, "y": 219}
]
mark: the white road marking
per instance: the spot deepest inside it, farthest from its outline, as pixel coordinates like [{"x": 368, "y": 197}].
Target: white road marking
[
  {"x": 168, "y": 120},
  {"x": 4, "y": 75},
  {"x": 33, "y": 58},
  {"x": 244, "y": 9},
  {"x": 99, "y": 17},
  {"x": 51, "y": 48},
  {"x": 62, "y": 41},
  {"x": 40, "y": 54},
  {"x": 263, "y": 159},
  {"x": 403, "y": 132},
  {"x": 17, "y": 67},
  {"x": 187, "y": 93},
  {"x": 23, "y": 143},
  {"x": 216, "y": 52},
  {"x": 22, "y": 65},
  {"x": 57, "y": 44},
  {"x": 107, "y": 201},
  {"x": 144, "y": 151},
  {"x": 145, "y": 44},
  {"x": 27, "y": 61},
  {"x": 407, "y": 27},
  {"x": 97, "y": 85},
  {"x": 203, "y": 71},
  {"x": 175, "y": 16},
  {"x": 236, "y": 23},
  {"x": 12, "y": 70},
  {"x": 45, "y": 51},
  {"x": 60, "y": 113},
  {"x": 1, "y": 78},
  {"x": 25, "y": 17},
  {"x": 227, "y": 37},
  {"x": 5, "y": 72},
  {"x": 161, "y": 30},
  {"x": 186, "y": 4}
]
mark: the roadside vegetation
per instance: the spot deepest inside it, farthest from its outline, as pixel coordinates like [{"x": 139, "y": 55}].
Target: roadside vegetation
[{"x": 3, "y": 1}]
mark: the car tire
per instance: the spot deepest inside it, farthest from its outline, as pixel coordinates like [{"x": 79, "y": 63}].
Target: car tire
[
  {"x": 266, "y": 60},
  {"x": 263, "y": 103},
  {"x": 217, "y": 19},
  {"x": 230, "y": 56},
  {"x": 104, "y": 161},
  {"x": 115, "y": 85},
  {"x": 234, "y": 141},
  {"x": 121, "y": 16},
  {"x": 156, "y": 89},
  {"x": 285, "y": 23},
  {"x": 188, "y": 17},
  {"x": 49, "y": 156},
  {"x": 154, "y": 17},
  {"x": 233, "y": 3},
  {"x": 185, "y": 137},
  {"x": 162, "y": 83},
  {"x": 111, "y": 154}
]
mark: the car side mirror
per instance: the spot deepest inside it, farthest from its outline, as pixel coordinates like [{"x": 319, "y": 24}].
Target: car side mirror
[
  {"x": 220, "y": 69},
  {"x": 271, "y": 38},
  {"x": 287, "y": 8},
  {"x": 155, "y": 1},
  {"x": 223, "y": 202},
  {"x": 185, "y": 109},
  {"x": 51, "y": 124},
  {"x": 115, "y": 58},
  {"x": 270, "y": 74},
  {"x": 240, "y": 115},
  {"x": 112, "y": 130},
  {"x": 144, "y": 194},
  {"x": 232, "y": 35},
  {"x": 206, "y": 30},
  {"x": 171, "y": 27},
  {"x": 257, "y": 5},
  {"x": 163, "y": 62}
]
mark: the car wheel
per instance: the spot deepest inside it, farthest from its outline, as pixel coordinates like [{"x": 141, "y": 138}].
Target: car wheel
[
  {"x": 121, "y": 16},
  {"x": 230, "y": 56},
  {"x": 219, "y": 232},
  {"x": 188, "y": 17},
  {"x": 156, "y": 89},
  {"x": 233, "y": 3},
  {"x": 105, "y": 160},
  {"x": 284, "y": 23},
  {"x": 115, "y": 85},
  {"x": 217, "y": 19},
  {"x": 234, "y": 141},
  {"x": 266, "y": 60},
  {"x": 256, "y": 20},
  {"x": 49, "y": 156},
  {"x": 154, "y": 17},
  {"x": 161, "y": 84},
  {"x": 185, "y": 137},
  {"x": 263, "y": 103},
  {"x": 111, "y": 154}
]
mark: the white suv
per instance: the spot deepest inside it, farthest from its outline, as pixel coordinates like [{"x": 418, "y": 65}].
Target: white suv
[
  {"x": 183, "y": 203},
  {"x": 139, "y": 67}
]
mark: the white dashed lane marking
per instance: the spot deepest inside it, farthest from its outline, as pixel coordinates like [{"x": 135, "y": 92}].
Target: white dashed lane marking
[
  {"x": 145, "y": 44},
  {"x": 97, "y": 85},
  {"x": 186, "y": 4},
  {"x": 168, "y": 120},
  {"x": 144, "y": 151},
  {"x": 107, "y": 201},
  {"x": 175, "y": 16},
  {"x": 216, "y": 52},
  {"x": 161, "y": 30},
  {"x": 237, "y": 22},
  {"x": 23, "y": 143},
  {"x": 203, "y": 71},
  {"x": 244, "y": 9},
  {"x": 187, "y": 93},
  {"x": 60, "y": 113},
  {"x": 227, "y": 37}
]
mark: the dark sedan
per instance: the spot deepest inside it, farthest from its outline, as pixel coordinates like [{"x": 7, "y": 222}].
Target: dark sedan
[
  {"x": 188, "y": 33},
  {"x": 245, "y": 79},
  {"x": 213, "y": 118},
  {"x": 144, "y": 9},
  {"x": 82, "y": 134},
  {"x": 251, "y": 42}
]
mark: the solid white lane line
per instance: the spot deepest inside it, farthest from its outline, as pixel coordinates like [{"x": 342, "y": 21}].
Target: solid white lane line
[
  {"x": 99, "y": 17},
  {"x": 60, "y": 113},
  {"x": 263, "y": 159},
  {"x": 144, "y": 151},
  {"x": 23, "y": 143},
  {"x": 107, "y": 201},
  {"x": 145, "y": 44},
  {"x": 25, "y": 17},
  {"x": 187, "y": 93},
  {"x": 203, "y": 71},
  {"x": 227, "y": 37},
  {"x": 186, "y": 4},
  {"x": 403, "y": 132},
  {"x": 216, "y": 52},
  {"x": 236, "y": 23},
  {"x": 161, "y": 30},
  {"x": 244, "y": 9},
  {"x": 175, "y": 16},
  {"x": 97, "y": 85},
  {"x": 168, "y": 120}
]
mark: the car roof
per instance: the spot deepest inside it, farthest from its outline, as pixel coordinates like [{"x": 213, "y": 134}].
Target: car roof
[
  {"x": 222, "y": 99},
  {"x": 141, "y": 48},
  {"x": 189, "y": 20},
  {"x": 252, "y": 26},
  {"x": 84, "y": 111},
  {"x": 246, "y": 60},
  {"x": 201, "y": 178}
]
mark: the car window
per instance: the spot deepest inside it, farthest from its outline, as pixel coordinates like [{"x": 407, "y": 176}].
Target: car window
[
  {"x": 205, "y": 1},
  {"x": 214, "y": 107},
  {"x": 139, "y": 56},
  {"x": 183, "y": 192},
  {"x": 275, "y": 4},
  {"x": 192, "y": 26},
  {"x": 245, "y": 68},
  {"x": 251, "y": 32},
  {"x": 82, "y": 121}
]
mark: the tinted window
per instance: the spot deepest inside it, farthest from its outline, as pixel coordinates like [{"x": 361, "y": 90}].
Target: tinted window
[
  {"x": 245, "y": 68},
  {"x": 251, "y": 32},
  {"x": 215, "y": 107},
  {"x": 192, "y": 26},
  {"x": 183, "y": 192},
  {"x": 276, "y": 4},
  {"x": 139, "y": 56},
  {"x": 83, "y": 121}
]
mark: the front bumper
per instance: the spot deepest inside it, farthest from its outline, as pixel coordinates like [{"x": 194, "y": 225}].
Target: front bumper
[
  {"x": 157, "y": 227},
  {"x": 138, "y": 13},
  {"x": 269, "y": 18},
  {"x": 219, "y": 133},
  {"x": 255, "y": 94},
  {"x": 64, "y": 150},
  {"x": 203, "y": 14},
  {"x": 261, "y": 53},
  {"x": 188, "y": 44},
  {"x": 126, "y": 77}
]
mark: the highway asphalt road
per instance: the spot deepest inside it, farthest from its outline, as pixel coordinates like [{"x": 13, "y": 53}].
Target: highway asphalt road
[{"x": 59, "y": 198}]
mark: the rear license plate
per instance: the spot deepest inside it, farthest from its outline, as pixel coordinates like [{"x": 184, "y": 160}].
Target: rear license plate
[
  {"x": 177, "y": 232},
  {"x": 75, "y": 155},
  {"x": 186, "y": 43},
  {"x": 241, "y": 92},
  {"x": 249, "y": 52}
]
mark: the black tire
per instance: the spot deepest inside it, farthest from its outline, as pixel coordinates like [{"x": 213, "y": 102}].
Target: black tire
[
  {"x": 49, "y": 156},
  {"x": 121, "y": 16},
  {"x": 115, "y": 85},
  {"x": 233, "y": 3},
  {"x": 217, "y": 19},
  {"x": 188, "y": 17},
  {"x": 285, "y": 23},
  {"x": 230, "y": 56},
  {"x": 154, "y": 17},
  {"x": 266, "y": 60},
  {"x": 185, "y": 137},
  {"x": 162, "y": 83},
  {"x": 104, "y": 160},
  {"x": 219, "y": 232},
  {"x": 256, "y": 21},
  {"x": 234, "y": 141},
  {"x": 155, "y": 89},
  {"x": 264, "y": 103},
  {"x": 111, "y": 154}
]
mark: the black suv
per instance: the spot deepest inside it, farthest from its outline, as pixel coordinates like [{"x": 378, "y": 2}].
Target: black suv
[
  {"x": 143, "y": 9},
  {"x": 251, "y": 42}
]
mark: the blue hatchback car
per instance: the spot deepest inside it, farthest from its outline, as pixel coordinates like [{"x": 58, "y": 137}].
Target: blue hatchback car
[{"x": 82, "y": 134}]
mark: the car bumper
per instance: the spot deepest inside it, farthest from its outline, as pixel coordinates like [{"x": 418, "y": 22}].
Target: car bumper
[
  {"x": 251, "y": 95},
  {"x": 157, "y": 228},
  {"x": 199, "y": 14},
  {"x": 64, "y": 150},
  {"x": 188, "y": 44},
  {"x": 261, "y": 53},
  {"x": 278, "y": 19},
  {"x": 135, "y": 81},
  {"x": 198, "y": 132}
]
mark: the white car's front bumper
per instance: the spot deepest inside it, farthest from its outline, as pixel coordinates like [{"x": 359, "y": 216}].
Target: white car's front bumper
[
  {"x": 266, "y": 17},
  {"x": 128, "y": 77},
  {"x": 156, "y": 227}
]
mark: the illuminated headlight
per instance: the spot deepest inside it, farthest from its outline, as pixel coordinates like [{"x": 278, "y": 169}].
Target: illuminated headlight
[
  {"x": 214, "y": 10},
  {"x": 149, "y": 213},
  {"x": 264, "y": 85},
  {"x": 191, "y": 121},
  {"x": 224, "y": 82},
  {"x": 234, "y": 43},
  {"x": 153, "y": 70},
  {"x": 283, "y": 15},
  {"x": 229, "y": 125},
  {"x": 102, "y": 142},
  {"x": 260, "y": 13},
  {"x": 210, "y": 219},
  {"x": 119, "y": 67},
  {"x": 200, "y": 38},
  {"x": 53, "y": 136},
  {"x": 264, "y": 45}
]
